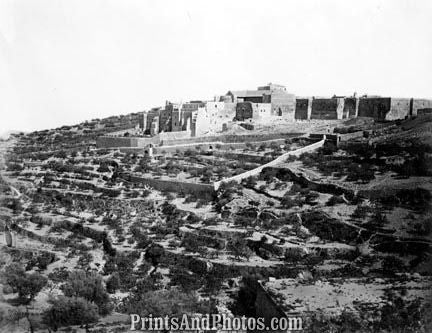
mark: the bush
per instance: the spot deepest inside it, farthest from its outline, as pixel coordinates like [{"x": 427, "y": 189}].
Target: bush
[
  {"x": 26, "y": 285},
  {"x": 88, "y": 285},
  {"x": 335, "y": 200},
  {"x": 65, "y": 311},
  {"x": 184, "y": 279},
  {"x": 172, "y": 302},
  {"x": 113, "y": 283},
  {"x": 238, "y": 247}
]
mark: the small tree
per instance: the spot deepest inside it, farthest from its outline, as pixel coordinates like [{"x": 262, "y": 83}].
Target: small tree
[
  {"x": 88, "y": 285},
  {"x": 186, "y": 280},
  {"x": 250, "y": 181},
  {"x": 113, "y": 283},
  {"x": 238, "y": 247},
  {"x": 65, "y": 311},
  {"x": 26, "y": 285}
]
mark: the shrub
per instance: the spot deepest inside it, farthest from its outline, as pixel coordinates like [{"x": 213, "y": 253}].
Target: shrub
[
  {"x": 65, "y": 311},
  {"x": 334, "y": 200},
  {"x": 171, "y": 302},
  {"x": 238, "y": 247},
  {"x": 113, "y": 283},
  {"x": 88, "y": 285},
  {"x": 26, "y": 285},
  {"x": 184, "y": 279}
]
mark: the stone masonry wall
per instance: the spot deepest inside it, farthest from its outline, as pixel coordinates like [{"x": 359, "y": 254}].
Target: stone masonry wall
[
  {"x": 324, "y": 108},
  {"x": 399, "y": 109},
  {"x": 301, "y": 110},
  {"x": 276, "y": 161},
  {"x": 206, "y": 190}
]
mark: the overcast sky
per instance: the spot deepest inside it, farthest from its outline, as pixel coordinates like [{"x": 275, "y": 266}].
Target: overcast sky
[{"x": 62, "y": 62}]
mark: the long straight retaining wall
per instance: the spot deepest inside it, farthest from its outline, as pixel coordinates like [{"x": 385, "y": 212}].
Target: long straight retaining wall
[
  {"x": 206, "y": 190},
  {"x": 211, "y": 145},
  {"x": 233, "y": 138},
  {"x": 182, "y": 138},
  {"x": 116, "y": 142},
  {"x": 276, "y": 161}
]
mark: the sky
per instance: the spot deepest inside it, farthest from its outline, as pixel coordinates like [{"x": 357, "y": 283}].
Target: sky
[{"x": 63, "y": 62}]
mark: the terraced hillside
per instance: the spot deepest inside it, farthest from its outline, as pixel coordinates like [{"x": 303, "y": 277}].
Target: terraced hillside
[{"x": 341, "y": 235}]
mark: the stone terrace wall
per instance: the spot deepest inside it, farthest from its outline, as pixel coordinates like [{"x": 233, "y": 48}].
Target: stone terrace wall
[
  {"x": 117, "y": 142},
  {"x": 206, "y": 146},
  {"x": 173, "y": 136},
  {"x": 219, "y": 145},
  {"x": 206, "y": 190},
  {"x": 278, "y": 160},
  {"x": 349, "y": 136},
  {"x": 233, "y": 138},
  {"x": 111, "y": 141}
]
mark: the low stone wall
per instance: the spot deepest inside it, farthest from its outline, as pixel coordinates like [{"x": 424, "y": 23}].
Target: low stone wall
[
  {"x": 350, "y": 136},
  {"x": 206, "y": 190},
  {"x": 336, "y": 138},
  {"x": 275, "y": 162},
  {"x": 185, "y": 147},
  {"x": 213, "y": 145},
  {"x": 117, "y": 142},
  {"x": 174, "y": 136},
  {"x": 232, "y": 138},
  {"x": 244, "y": 157},
  {"x": 131, "y": 150}
]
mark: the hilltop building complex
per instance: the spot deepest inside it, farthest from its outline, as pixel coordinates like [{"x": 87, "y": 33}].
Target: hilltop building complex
[
  {"x": 269, "y": 102},
  {"x": 266, "y": 104}
]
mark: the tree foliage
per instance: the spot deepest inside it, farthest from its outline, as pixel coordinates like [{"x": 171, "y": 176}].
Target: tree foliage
[
  {"x": 66, "y": 311},
  {"x": 88, "y": 285},
  {"x": 26, "y": 285}
]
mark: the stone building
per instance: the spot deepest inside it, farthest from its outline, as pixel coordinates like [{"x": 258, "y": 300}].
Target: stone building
[
  {"x": 151, "y": 115},
  {"x": 273, "y": 87},
  {"x": 166, "y": 116},
  {"x": 154, "y": 126},
  {"x": 282, "y": 103},
  {"x": 142, "y": 121},
  {"x": 249, "y": 110},
  {"x": 254, "y": 96},
  {"x": 420, "y": 104},
  {"x": 212, "y": 118},
  {"x": 268, "y": 101},
  {"x": 176, "y": 119},
  {"x": 327, "y": 108},
  {"x": 351, "y": 106},
  {"x": 385, "y": 108},
  {"x": 303, "y": 108},
  {"x": 187, "y": 110}
]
